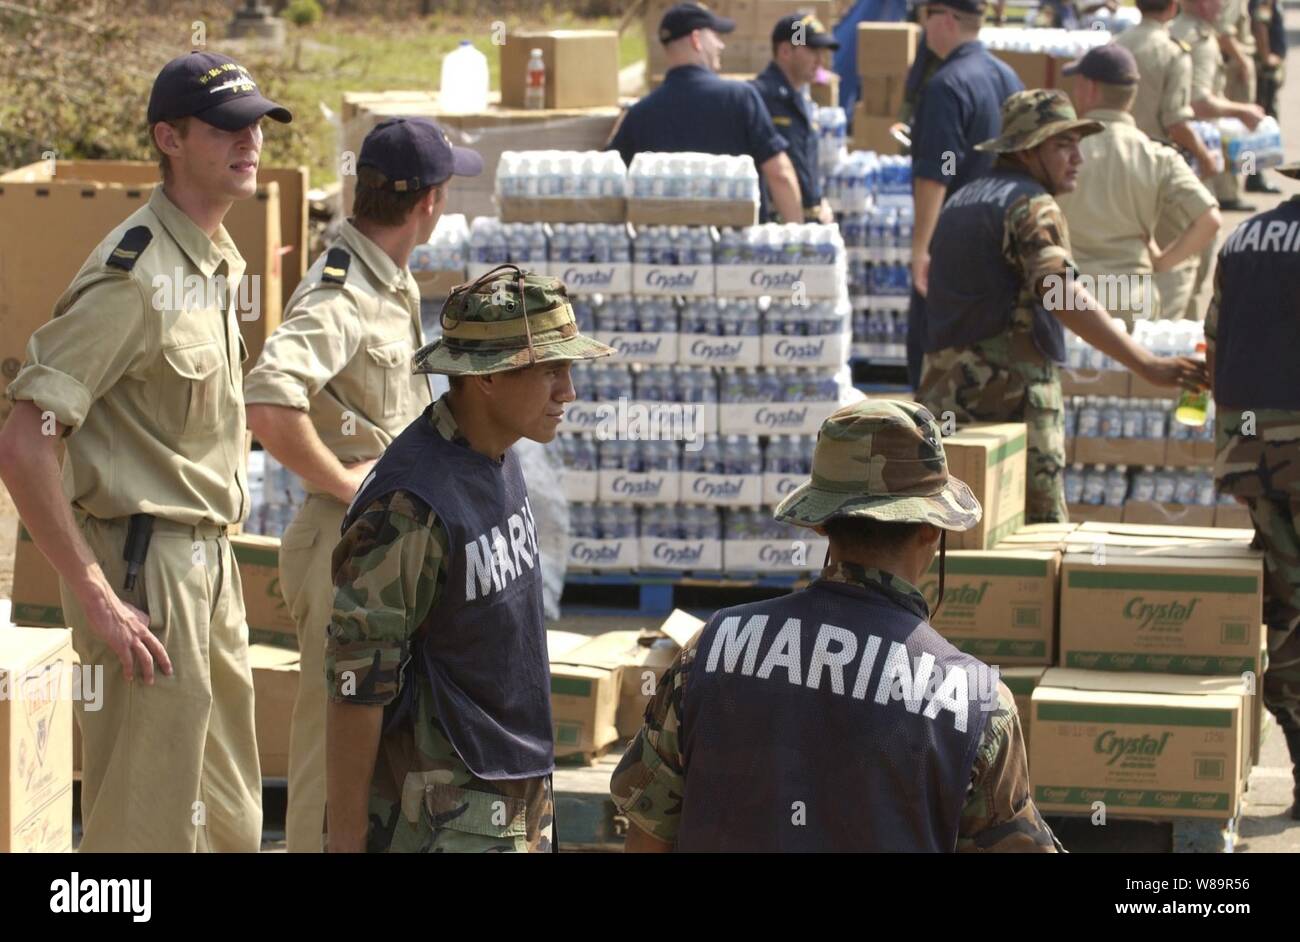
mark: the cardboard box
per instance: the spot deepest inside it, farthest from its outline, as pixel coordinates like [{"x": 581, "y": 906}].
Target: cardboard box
[
  {"x": 767, "y": 12},
  {"x": 581, "y": 67},
  {"x": 742, "y": 490},
  {"x": 708, "y": 350},
  {"x": 1081, "y": 382},
  {"x": 258, "y": 559},
  {"x": 998, "y": 605},
  {"x": 1129, "y": 451},
  {"x": 1181, "y": 453},
  {"x": 602, "y": 209},
  {"x": 826, "y": 94},
  {"x": 275, "y": 687},
  {"x": 721, "y": 213},
  {"x": 1141, "y": 388},
  {"x": 882, "y": 95},
  {"x": 559, "y": 643},
  {"x": 1084, "y": 513},
  {"x": 1150, "y": 511},
  {"x": 887, "y": 49},
  {"x": 826, "y": 350},
  {"x": 1145, "y": 745},
  {"x": 50, "y": 224},
  {"x": 871, "y": 132},
  {"x": 756, "y": 281},
  {"x": 746, "y": 57},
  {"x": 36, "y": 599},
  {"x": 584, "y": 705},
  {"x": 1168, "y": 609},
  {"x": 1036, "y": 69},
  {"x": 36, "y": 739},
  {"x": 1047, "y": 536},
  {"x": 774, "y": 418},
  {"x": 990, "y": 458},
  {"x": 436, "y": 285},
  {"x": 681, "y": 555},
  {"x": 1209, "y": 541},
  {"x": 1021, "y": 681},
  {"x": 1232, "y": 515},
  {"x": 616, "y": 486},
  {"x": 637, "y": 347},
  {"x": 603, "y": 555},
  {"x": 593, "y": 277},
  {"x": 693, "y": 281}
]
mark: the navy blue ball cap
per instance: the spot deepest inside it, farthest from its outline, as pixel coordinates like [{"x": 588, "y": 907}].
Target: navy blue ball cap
[
  {"x": 213, "y": 88},
  {"x": 414, "y": 153},
  {"x": 1111, "y": 64},
  {"x": 803, "y": 29},
  {"x": 685, "y": 18},
  {"x": 961, "y": 6}
]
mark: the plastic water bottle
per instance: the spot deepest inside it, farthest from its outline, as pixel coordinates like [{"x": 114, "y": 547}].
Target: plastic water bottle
[
  {"x": 464, "y": 85},
  {"x": 1116, "y": 486},
  {"x": 1144, "y": 484},
  {"x": 1094, "y": 485}
]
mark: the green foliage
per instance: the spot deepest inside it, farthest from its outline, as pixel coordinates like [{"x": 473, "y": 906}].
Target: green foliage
[{"x": 303, "y": 12}]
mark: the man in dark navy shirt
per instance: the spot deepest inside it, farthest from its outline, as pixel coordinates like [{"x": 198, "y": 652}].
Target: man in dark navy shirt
[
  {"x": 800, "y": 46},
  {"x": 958, "y": 106},
  {"x": 694, "y": 110}
]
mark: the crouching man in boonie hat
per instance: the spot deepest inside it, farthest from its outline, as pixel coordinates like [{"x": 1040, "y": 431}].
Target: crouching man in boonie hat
[
  {"x": 438, "y": 730},
  {"x": 835, "y": 718}
]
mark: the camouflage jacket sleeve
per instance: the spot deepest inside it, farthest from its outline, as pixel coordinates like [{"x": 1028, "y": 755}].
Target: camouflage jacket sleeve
[
  {"x": 388, "y": 571},
  {"x": 1212, "y": 314},
  {"x": 1037, "y": 240},
  {"x": 648, "y": 784},
  {"x": 999, "y": 815}
]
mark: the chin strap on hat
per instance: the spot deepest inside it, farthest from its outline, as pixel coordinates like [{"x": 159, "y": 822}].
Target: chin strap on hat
[
  {"x": 943, "y": 559},
  {"x": 465, "y": 290}
]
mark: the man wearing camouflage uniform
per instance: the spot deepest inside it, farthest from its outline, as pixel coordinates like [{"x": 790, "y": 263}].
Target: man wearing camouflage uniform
[
  {"x": 1002, "y": 288},
  {"x": 438, "y": 730},
  {"x": 742, "y": 750},
  {"x": 333, "y": 387},
  {"x": 1251, "y": 333}
]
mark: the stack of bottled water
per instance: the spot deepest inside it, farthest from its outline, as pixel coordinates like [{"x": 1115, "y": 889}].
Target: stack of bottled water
[
  {"x": 1099, "y": 485},
  {"x": 879, "y": 246},
  {"x": 681, "y": 522},
  {"x": 832, "y": 135},
  {"x": 578, "y": 452},
  {"x": 814, "y": 319},
  {"x": 624, "y": 314},
  {"x": 629, "y": 455},
  {"x": 777, "y": 384},
  {"x": 603, "y": 521},
  {"x": 1113, "y": 417},
  {"x": 729, "y": 454},
  {"x": 674, "y": 245},
  {"x": 775, "y": 244},
  {"x": 721, "y": 317},
  {"x": 549, "y": 174},
  {"x": 757, "y": 523},
  {"x": 788, "y": 454},
  {"x": 589, "y": 243},
  {"x": 1208, "y": 132},
  {"x": 1060, "y": 43},
  {"x": 863, "y": 179},
  {"x": 685, "y": 176},
  {"x": 1169, "y": 338},
  {"x": 492, "y": 242},
  {"x": 274, "y": 495},
  {"x": 1262, "y": 146},
  {"x": 879, "y": 334},
  {"x": 447, "y": 249}
]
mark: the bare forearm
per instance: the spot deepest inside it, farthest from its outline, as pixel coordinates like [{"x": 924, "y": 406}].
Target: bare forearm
[
  {"x": 352, "y": 733},
  {"x": 1183, "y": 135},
  {"x": 30, "y": 470},
  {"x": 928, "y": 199},
  {"x": 290, "y": 437},
  {"x": 638, "y": 841},
  {"x": 1091, "y": 321},
  {"x": 783, "y": 185},
  {"x": 1192, "y": 239}
]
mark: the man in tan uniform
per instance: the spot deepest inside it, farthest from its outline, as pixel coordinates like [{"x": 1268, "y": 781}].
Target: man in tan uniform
[
  {"x": 140, "y": 370},
  {"x": 1129, "y": 184},
  {"x": 1237, "y": 46},
  {"x": 333, "y": 387}
]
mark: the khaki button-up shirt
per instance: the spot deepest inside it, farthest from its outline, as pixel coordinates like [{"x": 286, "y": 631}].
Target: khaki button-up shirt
[
  {"x": 344, "y": 352},
  {"x": 1207, "y": 60},
  {"x": 1128, "y": 185},
  {"x": 1164, "y": 93},
  {"x": 144, "y": 368}
]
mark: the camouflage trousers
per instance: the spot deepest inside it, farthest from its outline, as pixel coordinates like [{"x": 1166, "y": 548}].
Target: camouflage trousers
[
  {"x": 1277, "y": 523},
  {"x": 997, "y": 381}
]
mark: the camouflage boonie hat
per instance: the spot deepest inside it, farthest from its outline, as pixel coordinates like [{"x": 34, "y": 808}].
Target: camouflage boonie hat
[
  {"x": 484, "y": 329},
  {"x": 1029, "y": 118},
  {"x": 881, "y": 459}
]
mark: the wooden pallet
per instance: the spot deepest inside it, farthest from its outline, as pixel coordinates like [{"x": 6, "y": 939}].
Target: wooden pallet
[{"x": 1078, "y": 834}]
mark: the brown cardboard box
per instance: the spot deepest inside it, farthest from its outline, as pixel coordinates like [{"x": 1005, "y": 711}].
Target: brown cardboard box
[
  {"x": 1189, "y": 609},
  {"x": 990, "y": 458},
  {"x": 1045, "y": 536},
  {"x": 275, "y": 687},
  {"x": 581, "y": 67},
  {"x": 887, "y": 49},
  {"x": 1081, "y": 382},
  {"x": 1141, "y": 388},
  {"x": 767, "y": 12},
  {"x": 1232, "y": 515},
  {"x": 584, "y": 704},
  {"x": 1144, "y": 745},
  {"x": 746, "y": 56},
  {"x": 50, "y": 224},
  {"x": 999, "y": 605},
  {"x": 36, "y": 690},
  {"x": 882, "y": 96},
  {"x": 826, "y": 94},
  {"x": 605, "y": 209},
  {"x": 1129, "y": 451},
  {"x": 1182, "y": 454},
  {"x": 643, "y": 212},
  {"x": 1084, "y": 513},
  {"x": 1036, "y": 69},
  {"x": 871, "y": 132},
  {"x": 1021, "y": 681},
  {"x": 36, "y": 598},
  {"x": 1207, "y": 541},
  {"x": 1150, "y": 511},
  {"x": 258, "y": 559}
]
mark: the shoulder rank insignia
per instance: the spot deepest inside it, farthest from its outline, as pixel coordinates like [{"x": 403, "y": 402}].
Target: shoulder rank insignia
[
  {"x": 1184, "y": 46},
  {"x": 337, "y": 261},
  {"x": 134, "y": 241}
]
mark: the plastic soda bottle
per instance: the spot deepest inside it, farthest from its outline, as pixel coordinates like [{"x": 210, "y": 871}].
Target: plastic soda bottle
[
  {"x": 1193, "y": 406},
  {"x": 535, "y": 82}
]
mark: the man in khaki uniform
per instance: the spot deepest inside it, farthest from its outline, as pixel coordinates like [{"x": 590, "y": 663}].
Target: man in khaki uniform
[
  {"x": 333, "y": 387},
  {"x": 1127, "y": 185},
  {"x": 140, "y": 370},
  {"x": 1237, "y": 45}
]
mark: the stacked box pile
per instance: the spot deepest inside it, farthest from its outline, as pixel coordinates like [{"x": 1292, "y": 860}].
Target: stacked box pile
[{"x": 885, "y": 54}]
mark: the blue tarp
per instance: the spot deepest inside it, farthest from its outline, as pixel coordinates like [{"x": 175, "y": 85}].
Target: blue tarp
[{"x": 845, "y": 62}]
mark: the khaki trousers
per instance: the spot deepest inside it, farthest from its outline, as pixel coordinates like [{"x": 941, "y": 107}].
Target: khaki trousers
[
  {"x": 171, "y": 767},
  {"x": 308, "y": 589}
]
